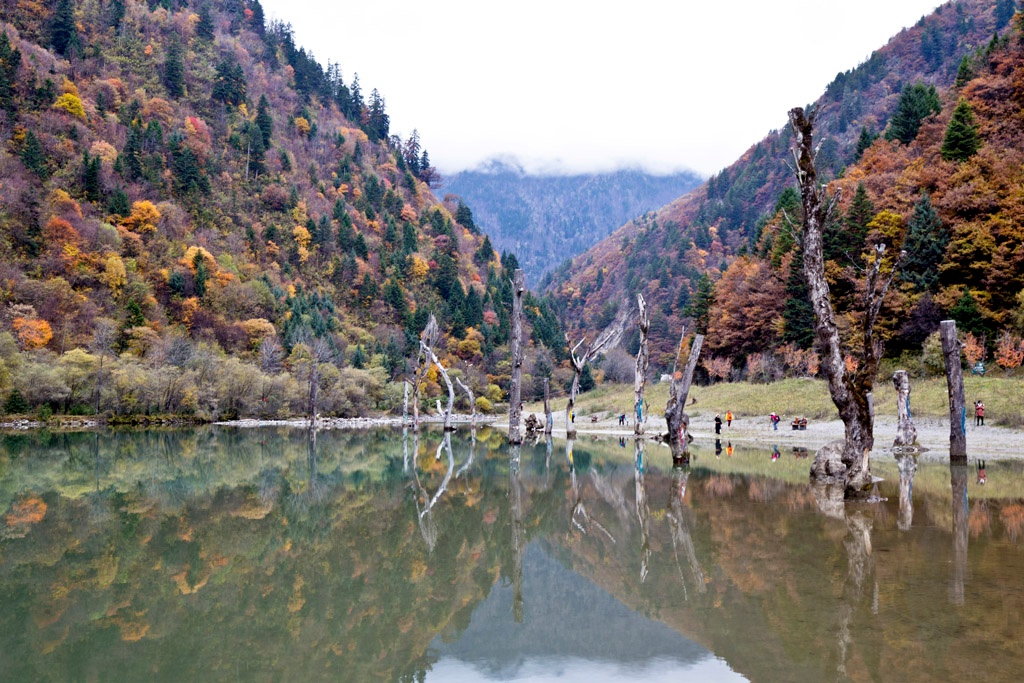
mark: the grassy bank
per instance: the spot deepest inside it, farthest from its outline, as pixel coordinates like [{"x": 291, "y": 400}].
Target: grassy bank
[{"x": 1003, "y": 398}]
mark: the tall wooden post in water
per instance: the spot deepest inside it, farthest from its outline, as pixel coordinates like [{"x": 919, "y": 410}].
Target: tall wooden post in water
[
  {"x": 906, "y": 432},
  {"x": 642, "y": 363},
  {"x": 549, "y": 421},
  {"x": 515, "y": 432},
  {"x": 955, "y": 383}
]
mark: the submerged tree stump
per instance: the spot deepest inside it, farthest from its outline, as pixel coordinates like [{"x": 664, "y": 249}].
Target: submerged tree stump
[
  {"x": 906, "y": 432},
  {"x": 955, "y": 384}
]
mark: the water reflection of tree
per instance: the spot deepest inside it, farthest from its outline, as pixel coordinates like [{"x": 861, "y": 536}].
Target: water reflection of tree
[
  {"x": 679, "y": 530},
  {"x": 425, "y": 502},
  {"x": 643, "y": 512},
  {"x": 906, "y": 463},
  {"x": 961, "y": 531},
  {"x": 579, "y": 518},
  {"x": 515, "y": 496}
]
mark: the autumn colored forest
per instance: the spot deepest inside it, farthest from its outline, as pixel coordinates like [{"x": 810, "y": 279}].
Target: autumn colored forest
[
  {"x": 923, "y": 144},
  {"x": 197, "y": 217}
]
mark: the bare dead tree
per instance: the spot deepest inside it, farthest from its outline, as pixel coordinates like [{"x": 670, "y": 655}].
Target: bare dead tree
[
  {"x": 104, "y": 335},
  {"x": 472, "y": 401},
  {"x": 642, "y": 364},
  {"x": 847, "y": 462},
  {"x": 428, "y": 338},
  {"x": 548, "y": 420},
  {"x": 428, "y": 352},
  {"x": 611, "y": 336},
  {"x": 906, "y": 432},
  {"x": 675, "y": 409},
  {"x": 515, "y": 432},
  {"x": 951, "y": 349}
]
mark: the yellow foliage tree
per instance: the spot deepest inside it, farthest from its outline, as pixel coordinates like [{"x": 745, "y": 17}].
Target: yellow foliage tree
[
  {"x": 114, "y": 273},
  {"x": 71, "y": 104},
  {"x": 418, "y": 267},
  {"x": 144, "y": 217},
  {"x": 302, "y": 125},
  {"x": 302, "y": 236}
]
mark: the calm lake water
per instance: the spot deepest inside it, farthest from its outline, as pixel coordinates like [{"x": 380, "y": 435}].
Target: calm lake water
[{"x": 222, "y": 554}]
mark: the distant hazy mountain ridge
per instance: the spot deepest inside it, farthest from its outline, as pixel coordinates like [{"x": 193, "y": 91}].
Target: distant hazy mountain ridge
[{"x": 546, "y": 218}]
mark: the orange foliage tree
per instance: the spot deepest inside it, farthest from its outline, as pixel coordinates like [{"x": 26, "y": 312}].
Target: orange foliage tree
[
  {"x": 1009, "y": 351},
  {"x": 32, "y": 333}
]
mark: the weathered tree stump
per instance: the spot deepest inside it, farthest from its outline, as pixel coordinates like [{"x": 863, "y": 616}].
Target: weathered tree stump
[
  {"x": 515, "y": 434},
  {"x": 906, "y": 432},
  {"x": 955, "y": 385}
]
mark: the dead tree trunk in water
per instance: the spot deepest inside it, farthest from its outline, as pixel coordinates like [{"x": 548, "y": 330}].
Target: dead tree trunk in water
[
  {"x": 515, "y": 432},
  {"x": 548, "y": 420},
  {"x": 447, "y": 413},
  {"x": 428, "y": 337},
  {"x": 472, "y": 401},
  {"x": 906, "y": 433},
  {"x": 955, "y": 383},
  {"x": 610, "y": 337},
  {"x": 642, "y": 363},
  {"x": 850, "y": 391},
  {"x": 675, "y": 410}
]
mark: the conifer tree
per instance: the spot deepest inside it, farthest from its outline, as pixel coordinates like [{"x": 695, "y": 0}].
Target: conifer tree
[
  {"x": 797, "y": 312},
  {"x": 961, "y": 141},
  {"x": 925, "y": 246},
  {"x": 264, "y": 121},
  {"x": 964, "y": 73},
  {"x": 204, "y": 29},
  {"x": 10, "y": 62},
  {"x": 865, "y": 140},
  {"x": 91, "y": 177},
  {"x": 229, "y": 84},
  {"x": 174, "y": 70},
  {"x": 917, "y": 102},
  {"x": 63, "y": 29},
  {"x": 34, "y": 156},
  {"x": 699, "y": 307},
  {"x": 843, "y": 242},
  {"x": 1005, "y": 9}
]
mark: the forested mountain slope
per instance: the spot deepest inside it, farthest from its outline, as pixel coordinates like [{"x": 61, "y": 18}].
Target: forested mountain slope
[
  {"x": 677, "y": 254},
  {"x": 546, "y": 218},
  {"x": 196, "y": 216}
]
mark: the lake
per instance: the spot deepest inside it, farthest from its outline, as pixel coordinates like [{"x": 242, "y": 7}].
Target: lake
[{"x": 224, "y": 554}]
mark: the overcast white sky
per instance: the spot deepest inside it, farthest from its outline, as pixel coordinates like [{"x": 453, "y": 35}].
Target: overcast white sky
[{"x": 584, "y": 85}]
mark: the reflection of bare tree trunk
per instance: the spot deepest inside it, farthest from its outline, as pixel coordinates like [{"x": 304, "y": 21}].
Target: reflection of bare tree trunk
[
  {"x": 642, "y": 509},
  {"x": 515, "y": 493},
  {"x": 424, "y": 515},
  {"x": 405, "y": 448},
  {"x": 858, "y": 552},
  {"x": 405, "y": 402},
  {"x": 642, "y": 363},
  {"x": 314, "y": 486},
  {"x": 906, "y": 433},
  {"x": 679, "y": 531},
  {"x": 472, "y": 454},
  {"x": 961, "y": 531},
  {"x": 907, "y": 465},
  {"x": 515, "y": 432}
]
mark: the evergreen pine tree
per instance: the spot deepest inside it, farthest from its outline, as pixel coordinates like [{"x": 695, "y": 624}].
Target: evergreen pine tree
[
  {"x": 961, "y": 141},
  {"x": 15, "y": 404},
  {"x": 264, "y": 121},
  {"x": 925, "y": 246},
  {"x": 204, "y": 28},
  {"x": 865, "y": 140},
  {"x": 917, "y": 102},
  {"x": 359, "y": 358},
  {"x": 91, "y": 177},
  {"x": 229, "y": 83},
  {"x": 843, "y": 242},
  {"x": 63, "y": 29},
  {"x": 699, "y": 307},
  {"x": 968, "y": 315},
  {"x": 10, "y": 62},
  {"x": 1005, "y": 9},
  {"x": 174, "y": 70},
  {"x": 964, "y": 73},
  {"x": 797, "y": 312},
  {"x": 34, "y": 156}
]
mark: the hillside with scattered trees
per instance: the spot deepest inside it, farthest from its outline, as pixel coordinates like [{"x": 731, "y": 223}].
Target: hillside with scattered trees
[
  {"x": 198, "y": 218},
  {"x": 923, "y": 143}
]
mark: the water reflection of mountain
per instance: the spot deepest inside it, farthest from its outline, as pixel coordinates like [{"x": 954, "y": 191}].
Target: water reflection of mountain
[
  {"x": 561, "y": 610},
  {"x": 194, "y": 555}
]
